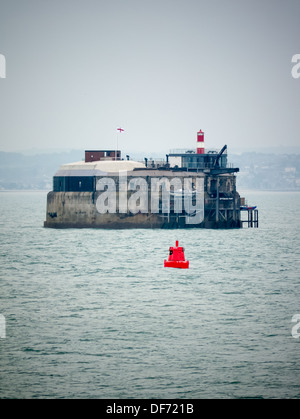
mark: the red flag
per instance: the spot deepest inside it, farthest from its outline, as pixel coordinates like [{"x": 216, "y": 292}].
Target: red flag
[{"x": 120, "y": 129}]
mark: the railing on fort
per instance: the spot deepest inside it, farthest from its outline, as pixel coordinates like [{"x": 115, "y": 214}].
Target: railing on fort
[{"x": 190, "y": 151}]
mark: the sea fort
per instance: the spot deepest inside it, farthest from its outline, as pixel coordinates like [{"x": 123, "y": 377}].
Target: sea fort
[{"x": 190, "y": 188}]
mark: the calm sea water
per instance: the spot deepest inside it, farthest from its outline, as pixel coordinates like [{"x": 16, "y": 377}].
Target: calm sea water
[{"x": 93, "y": 313}]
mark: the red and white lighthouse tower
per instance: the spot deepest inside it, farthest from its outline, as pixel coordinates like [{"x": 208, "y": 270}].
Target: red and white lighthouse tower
[{"x": 200, "y": 142}]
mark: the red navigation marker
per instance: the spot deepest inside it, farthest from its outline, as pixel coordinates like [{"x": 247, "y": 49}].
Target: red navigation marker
[{"x": 176, "y": 258}]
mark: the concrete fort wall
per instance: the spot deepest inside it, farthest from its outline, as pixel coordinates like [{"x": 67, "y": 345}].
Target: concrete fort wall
[
  {"x": 78, "y": 210},
  {"x": 81, "y": 210}
]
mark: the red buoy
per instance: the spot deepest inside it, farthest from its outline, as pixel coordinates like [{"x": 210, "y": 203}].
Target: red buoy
[{"x": 176, "y": 258}]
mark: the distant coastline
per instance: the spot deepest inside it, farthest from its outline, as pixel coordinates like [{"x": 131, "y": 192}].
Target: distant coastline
[{"x": 258, "y": 170}]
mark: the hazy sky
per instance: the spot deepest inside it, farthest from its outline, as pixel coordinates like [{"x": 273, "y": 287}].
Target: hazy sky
[{"x": 76, "y": 70}]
